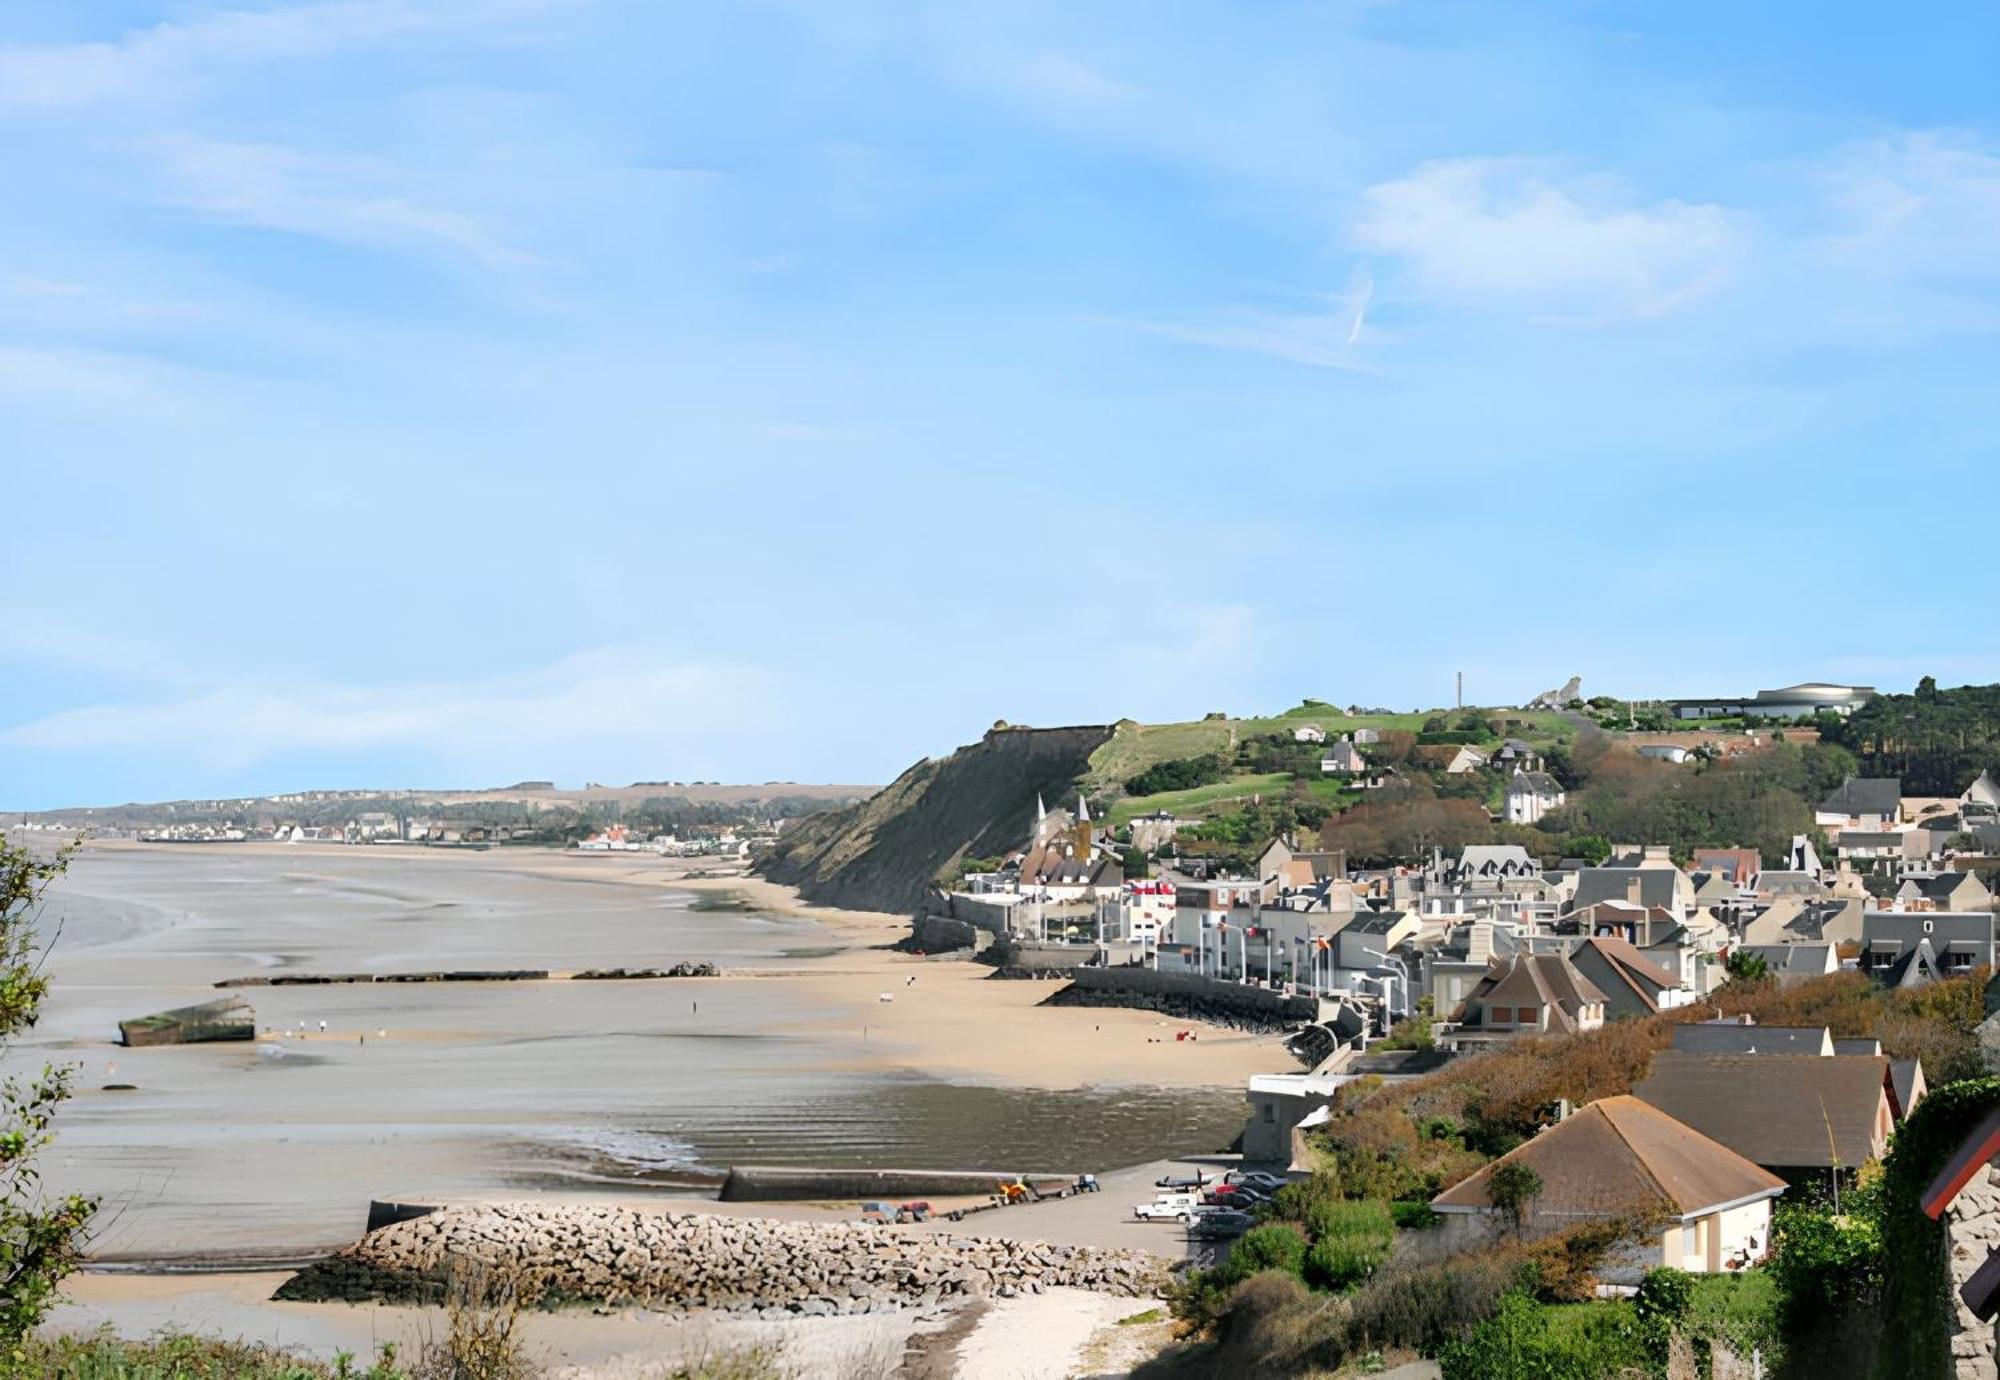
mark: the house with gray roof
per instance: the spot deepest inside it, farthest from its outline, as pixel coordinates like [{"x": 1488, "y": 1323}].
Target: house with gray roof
[
  {"x": 1863, "y": 803},
  {"x": 1955, "y": 891},
  {"x": 1734, "y": 1037},
  {"x": 1530, "y": 795},
  {"x": 1908, "y": 948},
  {"x": 1666, "y": 887},
  {"x": 1794, "y": 963}
]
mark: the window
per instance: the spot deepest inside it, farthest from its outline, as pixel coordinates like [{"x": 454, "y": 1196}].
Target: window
[
  {"x": 1690, "y": 1239},
  {"x": 1500, "y": 1015},
  {"x": 1270, "y": 1113},
  {"x": 1528, "y": 1015}
]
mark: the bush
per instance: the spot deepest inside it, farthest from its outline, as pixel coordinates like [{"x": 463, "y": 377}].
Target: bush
[
  {"x": 177, "y": 1356},
  {"x": 1586, "y": 1341},
  {"x": 1273, "y": 1246},
  {"x": 1350, "y": 1242},
  {"x": 1512, "y": 1187},
  {"x": 1413, "y": 1216},
  {"x": 1179, "y": 774}
]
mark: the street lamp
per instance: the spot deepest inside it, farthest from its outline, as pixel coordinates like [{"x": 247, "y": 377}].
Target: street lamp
[{"x": 1401, "y": 971}]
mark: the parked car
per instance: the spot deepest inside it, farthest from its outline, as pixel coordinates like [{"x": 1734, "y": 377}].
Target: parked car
[
  {"x": 1255, "y": 1178},
  {"x": 1167, "y": 1207},
  {"x": 919, "y": 1211},
  {"x": 1219, "y": 1224},
  {"x": 1229, "y": 1197},
  {"x": 881, "y": 1214},
  {"x": 1085, "y": 1183}
]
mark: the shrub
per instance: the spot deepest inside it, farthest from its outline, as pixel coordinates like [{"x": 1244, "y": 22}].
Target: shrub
[
  {"x": 1413, "y": 1216},
  {"x": 1512, "y": 1187},
  {"x": 1180, "y": 774},
  {"x": 1273, "y": 1246},
  {"x": 1588, "y": 1341},
  {"x": 178, "y": 1356},
  {"x": 1339, "y": 1263}
]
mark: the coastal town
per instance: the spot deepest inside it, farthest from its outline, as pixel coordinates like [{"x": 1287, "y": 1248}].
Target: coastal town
[{"x": 1708, "y": 1039}]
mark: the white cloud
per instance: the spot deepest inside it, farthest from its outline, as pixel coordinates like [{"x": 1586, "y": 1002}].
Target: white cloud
[
  {"x": 1930, "y": 197},
  {"x": 626, "y": 703},
  {"x": 347, "y": 200},
  {"x": 144, "y": 63},
  {"x": 1493, "y": 231},
  {"x": 1333, "y": 338}
]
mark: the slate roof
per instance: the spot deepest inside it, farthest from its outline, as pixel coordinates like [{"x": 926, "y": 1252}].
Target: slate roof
[
  {"x": 1532, "y": 783},
  {"x": 1809, "y": 959},
  {"x": 1775, "y": 1109},
  {"x": 1866, "y": 795},
  {"x": 1914, "y": 967},
  {"x": 1658, "y": 886},
  {"x": 1618, "y": 1154},
  {"x": 1705, "y": 1038}
]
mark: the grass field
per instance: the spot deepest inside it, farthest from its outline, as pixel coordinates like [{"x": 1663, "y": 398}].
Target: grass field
[
  {"x": 1193, "y": 800},
  {"x": 1135, "y": 747}
]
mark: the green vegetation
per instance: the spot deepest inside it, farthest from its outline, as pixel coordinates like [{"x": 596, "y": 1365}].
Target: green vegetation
[
  {"x": 1178, "y": 774},
  {"x": 41, "y": 1241},
  {"x": 175, "y": 1356},
  {"x": 1936, "y": 740},
  {"x": 1583, "y": 1341},
  {"x": 1840, "y": 1284},
  {"x": 1185, "y": 802}
]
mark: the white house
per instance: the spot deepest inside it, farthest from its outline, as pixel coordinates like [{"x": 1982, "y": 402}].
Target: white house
[
  {"x": 1308, "y": 733},
  {"x": 1532, "y": 794}
]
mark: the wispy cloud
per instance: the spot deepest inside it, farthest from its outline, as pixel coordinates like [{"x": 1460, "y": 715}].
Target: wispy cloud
[
  {"x": 145, "y": 63},
  {"x": 358, "y": 201},
  {"x": 1495, "y": 231},
  {"x": 1334, "y": 337},
  {"x": 636, "y": 702}
]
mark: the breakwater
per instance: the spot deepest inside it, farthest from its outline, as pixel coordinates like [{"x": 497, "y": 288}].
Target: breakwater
[
  {"x": 694, "y": 1260},
  {"x": 678, "y": 970},
  {"x": 1186, "y": 997},
  {"x": 786, "y": 1183}
]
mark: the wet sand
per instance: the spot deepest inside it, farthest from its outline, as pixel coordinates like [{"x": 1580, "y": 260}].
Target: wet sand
[
  {"x": 269, "y": 1151},
  {"x": 273, "y": 1149}
]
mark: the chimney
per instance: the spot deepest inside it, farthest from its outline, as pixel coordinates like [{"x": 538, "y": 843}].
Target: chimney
[
  {"x": 1632, "y": 890},
  {"x": 1479, "y": 942}
]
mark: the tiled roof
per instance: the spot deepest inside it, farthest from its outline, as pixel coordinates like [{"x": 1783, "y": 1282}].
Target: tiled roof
[{"x": 1618, "y": 1154}]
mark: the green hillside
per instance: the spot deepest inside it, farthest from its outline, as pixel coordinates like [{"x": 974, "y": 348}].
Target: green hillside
[{"x": 977, "y": 803}]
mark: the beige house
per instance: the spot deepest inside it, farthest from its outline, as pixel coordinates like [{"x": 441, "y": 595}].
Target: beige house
[{"x": 1618, "y": 1157}]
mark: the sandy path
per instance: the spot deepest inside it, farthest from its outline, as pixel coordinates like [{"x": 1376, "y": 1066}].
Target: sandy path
[{"x": 1038, "y": 1336}]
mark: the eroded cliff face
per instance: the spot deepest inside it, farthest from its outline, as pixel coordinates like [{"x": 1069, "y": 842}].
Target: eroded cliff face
[{"x": 979, "y": 802}]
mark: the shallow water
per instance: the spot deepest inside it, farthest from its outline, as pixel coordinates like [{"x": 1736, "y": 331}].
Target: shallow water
[{"x": 482, "y": 1088}]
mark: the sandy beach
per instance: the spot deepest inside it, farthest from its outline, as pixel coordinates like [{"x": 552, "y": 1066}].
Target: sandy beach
[{"x": 575, "y": 1090}]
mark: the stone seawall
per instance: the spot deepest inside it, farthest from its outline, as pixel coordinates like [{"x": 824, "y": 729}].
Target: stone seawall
[
  {"x": 749, "y": 1183},
  {"x": 1187, "y": 998},
  {"x": 695, "y": 1260}
]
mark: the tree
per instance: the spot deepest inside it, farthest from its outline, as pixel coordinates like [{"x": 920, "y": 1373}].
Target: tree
[
  {"x": 1512, "y": 1187},
  {"x": 40, "y": 1241}
]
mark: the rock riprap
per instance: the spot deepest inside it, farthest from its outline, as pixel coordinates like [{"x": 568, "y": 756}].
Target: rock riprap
[{"x": 702, "y": 1260}]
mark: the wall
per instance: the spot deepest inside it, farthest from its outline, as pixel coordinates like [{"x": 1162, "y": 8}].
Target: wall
[
  {"x": 1972, "y": 1229},
  {"x": 1142, "y": 987},
  {"x": 1053, "y": 956},
  {"x": 937, "y": 935},
  {"x": 989, "y": 913}
]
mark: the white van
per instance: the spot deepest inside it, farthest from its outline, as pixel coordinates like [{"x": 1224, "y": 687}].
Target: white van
[{"x": 1168, "y": 1207}]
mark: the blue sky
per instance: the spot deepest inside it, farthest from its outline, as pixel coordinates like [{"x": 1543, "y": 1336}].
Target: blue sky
[{"x": 453, "y": 391}]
